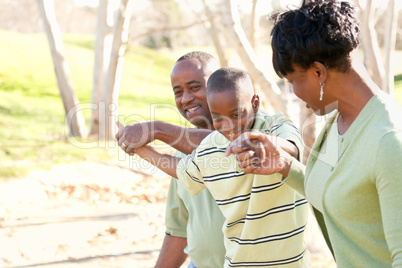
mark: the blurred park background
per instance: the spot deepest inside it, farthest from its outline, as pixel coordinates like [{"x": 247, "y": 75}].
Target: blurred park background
[{"x": 71, "y": 68}]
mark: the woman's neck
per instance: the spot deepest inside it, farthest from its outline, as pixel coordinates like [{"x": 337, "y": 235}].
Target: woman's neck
[{"x": 353, "y": 95}]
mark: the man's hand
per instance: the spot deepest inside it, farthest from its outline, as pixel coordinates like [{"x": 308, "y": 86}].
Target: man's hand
[
  {"x": 259, "y": 153},
  {"x": 133, "y": 136}
]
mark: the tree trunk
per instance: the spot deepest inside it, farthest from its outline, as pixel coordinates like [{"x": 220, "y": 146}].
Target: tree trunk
[
  {"x": 74, "y": 117},
  {"x": 214, "y": 35},
  {"x": 108, "y": 111},
  {"x": 370, "y": 44},
  {"x": 253, "y": 24},
  {"x": 249, "y": 59},
  {"x": 389, "y": 46},
  {"x": 103, "y": 44}
]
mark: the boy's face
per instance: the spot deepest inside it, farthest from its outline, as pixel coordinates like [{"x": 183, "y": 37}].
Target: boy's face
[{"x": 232, "y": 112}]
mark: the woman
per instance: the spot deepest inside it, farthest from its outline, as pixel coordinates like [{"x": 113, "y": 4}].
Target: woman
[{"x": 353, "y": 177}]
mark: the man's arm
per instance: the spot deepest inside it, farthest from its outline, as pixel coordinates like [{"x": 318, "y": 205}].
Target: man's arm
[
  {"x": 181, "y": 138},
  {"x": 172, "y": 252}
]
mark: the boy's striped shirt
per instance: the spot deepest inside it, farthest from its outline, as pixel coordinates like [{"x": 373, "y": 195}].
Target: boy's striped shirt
[{"x": 265, "y": 219}]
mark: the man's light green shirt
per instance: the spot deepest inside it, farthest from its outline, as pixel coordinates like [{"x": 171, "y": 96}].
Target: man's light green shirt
[{"x": 199, "y": 219}]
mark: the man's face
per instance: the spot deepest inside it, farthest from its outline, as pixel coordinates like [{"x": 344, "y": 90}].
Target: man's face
[
  {"x": 189, "y": 87},
  {"x": 232, "y": 113}
]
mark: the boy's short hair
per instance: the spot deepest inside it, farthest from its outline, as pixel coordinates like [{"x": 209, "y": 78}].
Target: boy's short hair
[{"x": 229, "y": 78}]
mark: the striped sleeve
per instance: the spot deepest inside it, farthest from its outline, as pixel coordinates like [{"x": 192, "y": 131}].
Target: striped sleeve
[
  {"x": 190, "y": 175},
  {"x": 284, "y": 128}
]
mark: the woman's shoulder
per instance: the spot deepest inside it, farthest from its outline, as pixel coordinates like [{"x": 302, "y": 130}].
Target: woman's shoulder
[{"x": 388, "y": 111}]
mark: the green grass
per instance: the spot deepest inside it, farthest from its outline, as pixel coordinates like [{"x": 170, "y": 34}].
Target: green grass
[
  {"x": 398, "y": 88},
  {"x": 32, "y": 131}
]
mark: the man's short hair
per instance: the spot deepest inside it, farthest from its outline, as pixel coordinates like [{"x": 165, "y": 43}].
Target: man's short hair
[{"x": 203, "y": 57}]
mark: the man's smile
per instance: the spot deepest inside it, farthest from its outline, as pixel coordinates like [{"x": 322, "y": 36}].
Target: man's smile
[{"x": 190, "y": 111}]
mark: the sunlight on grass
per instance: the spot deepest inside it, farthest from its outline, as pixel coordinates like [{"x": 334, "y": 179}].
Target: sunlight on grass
[{"x": 32, "y": 131}]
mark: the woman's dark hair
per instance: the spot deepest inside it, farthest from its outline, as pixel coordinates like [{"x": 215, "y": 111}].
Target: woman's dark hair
[{"x": 321, "y": 30}]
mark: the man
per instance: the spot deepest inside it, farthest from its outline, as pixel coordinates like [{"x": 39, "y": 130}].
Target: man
[{"x": 193, "y": 223}]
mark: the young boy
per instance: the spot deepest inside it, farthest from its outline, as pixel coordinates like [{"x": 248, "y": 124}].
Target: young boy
[{"x": 265, "y": 219}]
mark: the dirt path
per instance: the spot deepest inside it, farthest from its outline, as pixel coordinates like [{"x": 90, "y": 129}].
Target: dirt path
[{"x": 91, "y": 215}]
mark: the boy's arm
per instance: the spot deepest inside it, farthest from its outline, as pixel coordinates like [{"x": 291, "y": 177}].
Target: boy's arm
[
  {"x": 192, "y": 179},
  {"x": 165, "y": 162},
  {"x": 181, "y": 138},
  {"x": 288, "y": 136}
]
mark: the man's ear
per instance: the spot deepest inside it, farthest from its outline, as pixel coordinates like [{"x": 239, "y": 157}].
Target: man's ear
[{"x": 255, "y": 101}]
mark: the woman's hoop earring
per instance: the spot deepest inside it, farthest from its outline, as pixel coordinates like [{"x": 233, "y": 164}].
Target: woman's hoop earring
[{"x": 321, "y": 90}]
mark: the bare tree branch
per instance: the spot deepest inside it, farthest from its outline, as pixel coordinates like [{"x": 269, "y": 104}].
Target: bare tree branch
[
  {"x": 214, "y": 34},
  {"x": 249, "y": 58},
  {"x": 167, "y": 28}
]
